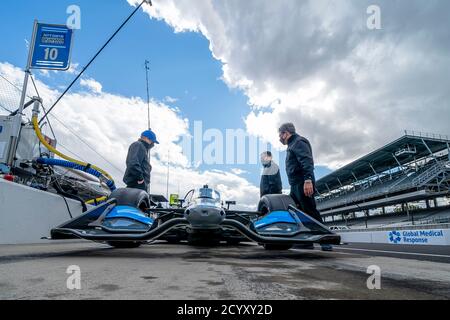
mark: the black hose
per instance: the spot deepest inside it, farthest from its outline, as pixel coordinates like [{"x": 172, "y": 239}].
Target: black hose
[{"x": 65, "y": 195}]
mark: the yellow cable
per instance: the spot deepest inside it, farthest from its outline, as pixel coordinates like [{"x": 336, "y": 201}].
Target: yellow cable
[
  {"x": 93, "y": 201},
  {"x": 53, "y": 150}
]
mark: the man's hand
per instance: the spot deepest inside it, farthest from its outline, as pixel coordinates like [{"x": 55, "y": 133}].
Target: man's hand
[
  {"x": 141, "y": 182},
  {"x": 308, "y": 188}
]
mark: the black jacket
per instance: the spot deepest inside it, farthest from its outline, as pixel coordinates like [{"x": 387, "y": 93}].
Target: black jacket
[
  {"x": 271, "y": 180},
  {"x": 299, "y": 160},
  {"x": 138, "y": 165}
]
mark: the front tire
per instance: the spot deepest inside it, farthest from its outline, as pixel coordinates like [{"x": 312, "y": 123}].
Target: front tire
[
  {"x": 131, "y": 197},
  {"x": 274, "y": 202}
]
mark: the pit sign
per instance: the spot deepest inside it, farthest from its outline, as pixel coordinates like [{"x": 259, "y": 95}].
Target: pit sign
[{"x": 51, "y": 47}]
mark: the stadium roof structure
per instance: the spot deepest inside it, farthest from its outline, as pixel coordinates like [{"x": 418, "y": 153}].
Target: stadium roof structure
[{"x": 412, "y": 146}]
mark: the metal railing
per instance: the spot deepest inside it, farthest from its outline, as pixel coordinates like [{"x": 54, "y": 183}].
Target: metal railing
[
  {"x": 429, "y": 174},
  {"x": 433, "y": 221},
  {"x": 420, "y": 134},
  {"x": 397, "y": 228},
  {"x": 9, "y": 95}
]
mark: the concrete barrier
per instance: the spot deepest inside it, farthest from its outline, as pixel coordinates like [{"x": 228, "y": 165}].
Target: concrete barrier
[
  {"x": 27, "y": 214},
  {"x": 416, "y": 236}
]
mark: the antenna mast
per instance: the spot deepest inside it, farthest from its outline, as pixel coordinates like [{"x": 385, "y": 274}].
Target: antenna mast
[
  {"x": 168, "y": 173},
  {"x": 147, "y": 69}
]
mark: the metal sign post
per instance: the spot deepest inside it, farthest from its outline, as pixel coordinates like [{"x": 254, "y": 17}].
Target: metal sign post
[
  {"x": 18, "y": 117},
  {"x": 50, "y": 49}
]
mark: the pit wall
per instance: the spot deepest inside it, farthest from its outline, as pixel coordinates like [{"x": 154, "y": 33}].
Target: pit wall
[
  {"x": 414, "y": 236},
  {"x": 27, "y": 214}
]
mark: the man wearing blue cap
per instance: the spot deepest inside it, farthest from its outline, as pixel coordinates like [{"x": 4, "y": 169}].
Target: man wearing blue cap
[{"x": 138, "y": 170}]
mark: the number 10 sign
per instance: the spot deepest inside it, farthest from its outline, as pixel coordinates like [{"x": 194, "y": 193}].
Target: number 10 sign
[{"x": 51, "y": 46}]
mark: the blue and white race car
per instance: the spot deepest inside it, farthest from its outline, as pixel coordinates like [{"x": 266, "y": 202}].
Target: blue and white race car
[{"x": 128, "y": 220}]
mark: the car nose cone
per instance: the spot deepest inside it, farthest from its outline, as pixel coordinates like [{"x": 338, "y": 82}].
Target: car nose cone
[{"x": 205, "y": 217}]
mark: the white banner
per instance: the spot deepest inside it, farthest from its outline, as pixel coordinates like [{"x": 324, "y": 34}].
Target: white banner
[{"x": 437, "y": 237}]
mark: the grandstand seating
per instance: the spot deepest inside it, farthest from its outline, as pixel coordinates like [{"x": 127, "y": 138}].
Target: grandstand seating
[
  {"x": 413, "y": 169},
  {"x": 401, "y": 181},
  {"x": 433, "y": 216}
]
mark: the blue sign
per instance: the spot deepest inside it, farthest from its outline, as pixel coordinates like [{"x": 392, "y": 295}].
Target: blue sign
[
  {"x": 51, "y": 47},
  {"x": 436, "y": 237},
  {"x": 395, "y": 237}
]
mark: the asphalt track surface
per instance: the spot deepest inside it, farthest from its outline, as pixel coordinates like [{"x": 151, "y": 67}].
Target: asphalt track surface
[{"x": 247, "y": 271}]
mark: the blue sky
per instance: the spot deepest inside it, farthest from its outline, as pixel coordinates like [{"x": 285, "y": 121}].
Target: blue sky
[
  {"x": 182, "y": 65},
  {"x": 349, "y": 88}
]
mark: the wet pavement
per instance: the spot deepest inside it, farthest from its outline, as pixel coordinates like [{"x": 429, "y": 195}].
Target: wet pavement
[{"x": 247, "y": 271}]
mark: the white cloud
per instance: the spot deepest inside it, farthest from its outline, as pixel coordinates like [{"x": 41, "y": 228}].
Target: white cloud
[
  {"x": 92, "y": 85},
  {"x": 44, "y": 73},
  {"x": 74, "y": 68},
  {"x": 170, "y": 100},
  {"x": 314, "y": 62},
  {"x": 110, "y": 123},
  {"x": 238, "y": 171}
]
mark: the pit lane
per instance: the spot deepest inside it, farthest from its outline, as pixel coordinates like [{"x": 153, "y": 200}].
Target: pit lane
[{"x": 163, "y": 271}]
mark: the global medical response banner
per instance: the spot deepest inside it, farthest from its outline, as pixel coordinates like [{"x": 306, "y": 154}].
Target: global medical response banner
[
  {"x": 436, "y": 237},
  {"x": 415, "y": 237}
]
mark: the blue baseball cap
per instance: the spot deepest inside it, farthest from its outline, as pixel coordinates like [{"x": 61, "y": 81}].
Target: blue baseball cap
[{"x": 149, "y": 134}]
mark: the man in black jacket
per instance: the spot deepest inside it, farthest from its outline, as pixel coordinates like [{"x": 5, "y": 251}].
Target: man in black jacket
[
  {"x": 138, "y": 171},
  {"x": 300, "y": 171},
  {"x": 270, "y": 178}
]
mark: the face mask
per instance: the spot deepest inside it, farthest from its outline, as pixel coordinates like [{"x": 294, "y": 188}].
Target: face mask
[
  {"x": 265, "y": 162},
  {"x": 152, "y": 145}
]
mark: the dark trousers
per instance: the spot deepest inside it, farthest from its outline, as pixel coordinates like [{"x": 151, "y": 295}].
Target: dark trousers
[
  {"x": 304, "y": 203},
  {"x": 138, "y": 186},
  {"x": 263, "y": 193}
]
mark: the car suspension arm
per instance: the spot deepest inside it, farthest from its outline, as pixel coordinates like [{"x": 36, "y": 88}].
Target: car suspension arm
[
  {"x": 147, "y": 236},
  {"x": 246, "y": 232}
]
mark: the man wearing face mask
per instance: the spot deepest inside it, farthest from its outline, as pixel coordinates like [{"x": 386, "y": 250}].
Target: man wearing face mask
[
  {"x": 138, "y": 171},
  {"x": 270, "y": 178},
  {"x": 300, "y": 172}
]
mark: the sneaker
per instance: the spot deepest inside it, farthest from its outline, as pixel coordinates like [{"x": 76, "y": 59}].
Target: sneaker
[{"x": 327, "y": 247}]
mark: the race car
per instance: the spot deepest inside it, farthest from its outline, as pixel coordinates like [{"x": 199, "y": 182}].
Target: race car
[{"x": 129, "y": 219}]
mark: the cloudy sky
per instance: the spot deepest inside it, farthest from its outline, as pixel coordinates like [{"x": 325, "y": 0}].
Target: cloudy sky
[{"x": 247, "y": 65}]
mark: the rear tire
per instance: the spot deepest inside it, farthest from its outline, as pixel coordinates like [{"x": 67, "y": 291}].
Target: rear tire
[
  {"x": 279, "y": 247},
  {"x": 124, "y": 244},
  {"x": 274, "y": 202},
  {"x": 131, "y": 197}
]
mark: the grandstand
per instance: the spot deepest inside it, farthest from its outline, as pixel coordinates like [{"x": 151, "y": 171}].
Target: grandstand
[{"x": 406, "y": 182}]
